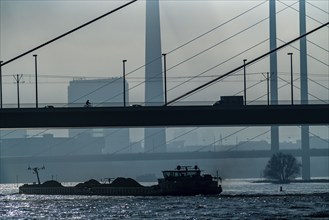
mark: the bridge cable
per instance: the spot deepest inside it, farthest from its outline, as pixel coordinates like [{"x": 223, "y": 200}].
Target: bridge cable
[
  {"x": 247, "y": 64},
  {"x": 314, "y": 135},
  {"x": 67, "y": 33},
  {"x": 204, "y": 50},
  {"x": 307, "y": 54},
  {"x": 318, "y": 46},
  {"x": 222, "y": 24},
  {"x": 194, "y": 77},
  {"x": 141, "y": 83},
  {"x": 232, "y": 36},
  {"x": 319, "y": 84},
  {"x": 298, "y": 11},
  {"x": 299, "y": 89},
  {"x": 217, "y": 65},
  {"x": 131, "y": 88},
  {"x": 251, "y": 139},
  {"x": 223, "y": 138},
  {"x": 317, "y": 7}
]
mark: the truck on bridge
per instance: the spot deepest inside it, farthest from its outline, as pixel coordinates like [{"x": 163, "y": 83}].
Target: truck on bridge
[{"x": 229, "y": 100}]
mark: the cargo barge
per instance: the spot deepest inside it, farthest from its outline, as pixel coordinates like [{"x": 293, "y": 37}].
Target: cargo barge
[{"x": 181, "y": 181}]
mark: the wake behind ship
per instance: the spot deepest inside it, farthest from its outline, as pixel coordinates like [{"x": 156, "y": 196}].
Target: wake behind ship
[{"x": 182, "y": 181}]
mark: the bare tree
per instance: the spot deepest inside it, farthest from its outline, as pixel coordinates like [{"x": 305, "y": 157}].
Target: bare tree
[{"x": 282, "y": 167}]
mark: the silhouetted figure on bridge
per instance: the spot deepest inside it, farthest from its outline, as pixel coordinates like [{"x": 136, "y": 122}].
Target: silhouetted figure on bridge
[{"x": 88, "y": 104}]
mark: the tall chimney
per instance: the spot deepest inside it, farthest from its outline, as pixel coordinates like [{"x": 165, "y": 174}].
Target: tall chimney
[
  {"x": 155, "y": 138},
  {"x": 306, "y": 163}
]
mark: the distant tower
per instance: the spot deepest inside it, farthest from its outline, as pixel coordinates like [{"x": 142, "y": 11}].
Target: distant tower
[
  {"x": 306, "y": 173},
  {"x": 155, "y": 138},
  {"x": 273, "y": 74}
]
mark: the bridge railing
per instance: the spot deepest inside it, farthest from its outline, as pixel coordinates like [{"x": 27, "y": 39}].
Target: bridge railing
[{"x": 138, "y": 104}]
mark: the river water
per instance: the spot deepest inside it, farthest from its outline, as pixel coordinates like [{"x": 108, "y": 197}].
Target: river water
[{"x": 240, "y": 199}]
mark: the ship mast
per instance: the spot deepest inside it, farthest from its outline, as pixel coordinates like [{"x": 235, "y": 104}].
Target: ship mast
[{"x": 36, "y": 171}]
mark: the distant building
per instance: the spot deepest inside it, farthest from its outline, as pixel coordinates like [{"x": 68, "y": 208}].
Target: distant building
[
  {"x": 101, "y": 92},
  {"x": 48, "y": 145}
]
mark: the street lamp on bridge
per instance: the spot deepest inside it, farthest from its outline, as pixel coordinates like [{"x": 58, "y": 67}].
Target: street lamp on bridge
[
  {"x": 244, "y": 82},
  {"x": 291, "y": 75},
  {"x": 165, "y": 76},
  {"x": 124, "y": 82},
  {"x": 36, "y": 80}
]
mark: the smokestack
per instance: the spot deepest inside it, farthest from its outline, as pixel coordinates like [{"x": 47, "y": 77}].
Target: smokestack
[
  {"x": 306, "y": 170},
  {"x": 155, "y": 138}
]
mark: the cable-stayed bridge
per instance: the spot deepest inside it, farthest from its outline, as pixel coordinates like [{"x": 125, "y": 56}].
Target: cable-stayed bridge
[
  {"x": 305, "y": 114},
  {"x": 171, "y": 114}
]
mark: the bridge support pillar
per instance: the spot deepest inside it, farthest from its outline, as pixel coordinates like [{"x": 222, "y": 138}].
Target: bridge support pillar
[
  {"x": 306, "y": 160},
  {"x": 275, "y": 139}
]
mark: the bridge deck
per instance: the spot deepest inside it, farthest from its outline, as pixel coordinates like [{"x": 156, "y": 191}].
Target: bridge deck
[{"x": 151, "y": 116}]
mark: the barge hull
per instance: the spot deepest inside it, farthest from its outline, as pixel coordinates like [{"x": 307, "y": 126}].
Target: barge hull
[{"x": 102, "y": 191}]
